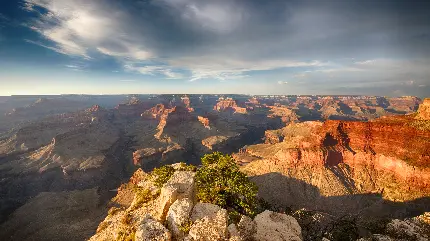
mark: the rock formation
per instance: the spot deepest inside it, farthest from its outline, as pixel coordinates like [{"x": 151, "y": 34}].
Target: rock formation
[
  {"x": 173, "y": 214},
  {"x": 286, "y": 114},
  {"x": 204, "y": 121},
  {"x": 61, "y": 144},
  {"x": 228, "y": 104},
  {"x": 386, "y": 157},
  {"x": 424, "y": 110}
]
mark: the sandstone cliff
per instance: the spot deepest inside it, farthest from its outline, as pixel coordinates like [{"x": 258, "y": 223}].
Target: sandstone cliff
[
  {"x": 228, "y": 104},
  {"x": 424, "y": 110},
  {"x": 309, "y": 164}
]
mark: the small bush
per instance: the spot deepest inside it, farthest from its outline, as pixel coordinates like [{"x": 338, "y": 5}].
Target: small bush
[
  {"x": 184, "y": 167},
  {"x": 142, "y": 196},
  {"x": 162, "y": 174},
  {"x": 234, "y": 217},
  {"x": 220, "y": 182}
]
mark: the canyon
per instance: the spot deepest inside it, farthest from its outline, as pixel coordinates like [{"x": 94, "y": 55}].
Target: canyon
[{"x": 335, "y": 154}]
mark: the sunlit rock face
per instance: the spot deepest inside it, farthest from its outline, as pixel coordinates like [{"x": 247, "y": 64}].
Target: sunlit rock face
[
  {"x": 174, "y": 213},
  {"x": 424, "y": 110},
  {"x": 328, "y": 165},
  {"x": 228, "y": 104}
]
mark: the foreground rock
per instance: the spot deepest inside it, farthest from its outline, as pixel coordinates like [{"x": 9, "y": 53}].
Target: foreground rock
[
  {"x": 277, "y": 227},
  {"x": 417, "y": 228},
  {"x": 150, "y": 229},
  {"x": 244, "y": 230},
  {"x": 210, "y": 227},
  {"x": 173, "y": 214},
  {"x": 179, "y": 216}
]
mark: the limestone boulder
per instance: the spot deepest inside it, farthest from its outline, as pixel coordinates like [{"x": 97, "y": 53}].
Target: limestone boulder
[
  {"x": 202, "y": 210},
  {"x": 210, "y": 227},
  {"x": 180, "y": 185},
  {"x": 273, "y": 226},
  {"x": 167, "y": 197},
  {"x": 183, "y": 181},
  {"x": 242, "y": 231},
  {"x": 178, "y": 216},
  {"x": 408, "y": 229},
  {"x": 150, "y": 229}
]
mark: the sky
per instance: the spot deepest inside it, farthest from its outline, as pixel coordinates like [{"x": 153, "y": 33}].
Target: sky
[{"x": 364, "y": 47}]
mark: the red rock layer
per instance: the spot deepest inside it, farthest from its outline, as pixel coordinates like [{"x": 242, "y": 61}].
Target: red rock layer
[
  {"x": 388, "y": 155},
  {"x": 229, "y": 104},
  {"x": 204, "y": 121}
]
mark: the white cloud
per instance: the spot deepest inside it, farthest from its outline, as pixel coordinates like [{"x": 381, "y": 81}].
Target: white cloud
[
  {"x": 365, "y": 62},
  {"x": 78, "y": 27},
  {"x": 215, "y": 16},
  {"x": 153, "y": 70},
  {"x": 220, "y": 40},
  {"x": 282, "y": 82},
  {"x": 223, "y": 68}
]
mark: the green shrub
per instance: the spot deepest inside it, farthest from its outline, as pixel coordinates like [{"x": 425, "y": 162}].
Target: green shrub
[
  {"x": 184, "y": 167},
  {"x": 142, "y": 196},
  {"x": 220, "y": 182},
  {"x": 234, "y": 217},
  {"x": 162, "y": 174}
]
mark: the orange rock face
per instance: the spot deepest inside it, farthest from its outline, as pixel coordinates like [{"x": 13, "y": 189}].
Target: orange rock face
[
  {"x": 286, "y": 114},
  {"x": 155, "y": 112},
  {"x": 388, "y": 156},
  {"x": 229, "y": 104},
  {"x": 204, "y": 121},
  {"x": 424, "y": 110}
]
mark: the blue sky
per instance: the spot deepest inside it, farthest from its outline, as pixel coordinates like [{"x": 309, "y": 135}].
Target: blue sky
[{"x": 218, "y": 46}]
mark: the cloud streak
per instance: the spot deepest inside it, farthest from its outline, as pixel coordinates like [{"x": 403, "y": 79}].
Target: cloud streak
[{"x": 340, "y": 42}]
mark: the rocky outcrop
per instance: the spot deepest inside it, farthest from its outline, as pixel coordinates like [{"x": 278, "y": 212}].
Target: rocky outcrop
[
  {"x": 150, "y": 229},
  {"x": 285, "y": 113},
  {"x": 387, "y": 157},
  {"x": 417, "y": 228},
  {"x": 209, "y": 226},
  {"x": 174, "y": 116},
  {"x": 277, "y": 226},
  {"x": 424, "y": 110},
  {"x": 178, "y": 216},
  {"x": 244, "y": 230},
  {"x": 228, "y": 104},
  {"x": 212, "y": 141},
  {"x": 134, "y": 108},
  {"x": 155, "y": 112},
  {"x": 204, "y": 121},
  {"x": 185, "y": 218}
]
